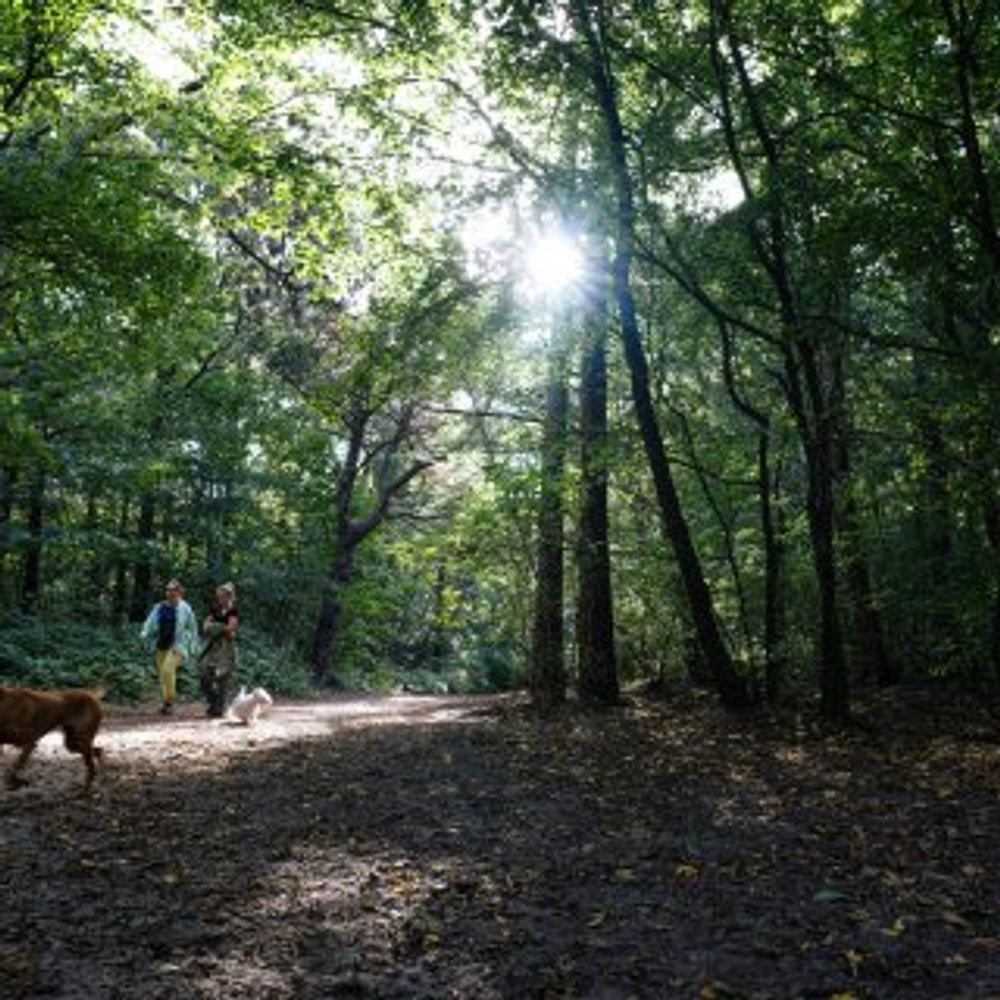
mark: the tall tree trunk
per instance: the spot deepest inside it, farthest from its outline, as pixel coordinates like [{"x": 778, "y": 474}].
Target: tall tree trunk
[
  {"x": 727, "y": 539},
  {"x": 217, "y": 505},
  {"x": 873, "y": 658},
  {"x": 935, "y": 608},
  {"x": 547, "y": 667},
  {"x": 597, "y": 679},
  {"x": 142, "y": 571},
  {"x": 349, "y": 533},
  {"x": 771, "y": 525},
  {"x": 437, "y": 639},
  {"x": 341, "y": 569},
  {"x": 834, "y": 687},
  {"x": 962, "y": 33},
  {"x": 991, "y": 519},
  {"x": 8, "y": 480},
  {"x": 731, "y": 686},
  {"x": 816, "y": 421},
  {"x": 119, "y": 607},
  {"x": 31, "y": 575},
  {"x": 804, "y": 382},
  {"x": 97, "y": 571},
  {"x": 772, "y": 531},
  {"x": 339, "y": 578}
]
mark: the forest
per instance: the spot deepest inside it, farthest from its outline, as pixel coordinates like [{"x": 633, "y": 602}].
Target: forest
[
  {"x": 595, "y": 405},
  {"x": 498, "y": 345}
]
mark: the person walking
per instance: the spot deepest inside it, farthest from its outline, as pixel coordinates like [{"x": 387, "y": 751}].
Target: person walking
[
  {"x": 172, "y": 631},
  {"x": 218, "y": 658}
]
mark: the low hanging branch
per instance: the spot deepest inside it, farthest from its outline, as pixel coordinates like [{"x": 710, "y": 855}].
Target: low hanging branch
[{"x": 476, "y": 414}]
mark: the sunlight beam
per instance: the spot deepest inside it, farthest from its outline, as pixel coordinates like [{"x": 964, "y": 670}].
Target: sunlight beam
[{"x": 554, "y": 264}]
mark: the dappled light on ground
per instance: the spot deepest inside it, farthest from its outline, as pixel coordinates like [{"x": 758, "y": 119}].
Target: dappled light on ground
[{"x": 434, "y": 847}]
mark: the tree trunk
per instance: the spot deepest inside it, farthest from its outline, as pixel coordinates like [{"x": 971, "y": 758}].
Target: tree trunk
[
  {"x": 350, "y": 533},
  {"x": 771, "y": 524},
  {"x": 8, "y": 480},
  {"x": 322, "y": 654},
  {"x": 871, "y": 651},
  {"x": 342, "y": 564},
  {"x": 731, "y": 686},
  {"x": 31, "y": 574},
  {"x": 772, "y": 530},
  {"x": 547, "y": 668},
  {"x": 833, "y": 682},
  {"x": 935, "y": 607},
  {"x": 119, "y": 607},
  {"x": 437, "y": 638},
  {"x": 597, "y": 679},
  {"x": 991, "y": 519},
  {"x": 142, "y": 571},
  {"x": 804, "y": 384},
  {"x": 97, "y": 571},
  {"x": 873, "y": 657}
]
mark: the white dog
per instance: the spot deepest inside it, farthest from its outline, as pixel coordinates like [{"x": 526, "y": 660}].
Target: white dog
[{"x": 247, "y": 706}]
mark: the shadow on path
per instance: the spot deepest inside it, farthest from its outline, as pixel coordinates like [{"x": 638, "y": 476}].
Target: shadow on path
[{"x": 436, "y": 847}]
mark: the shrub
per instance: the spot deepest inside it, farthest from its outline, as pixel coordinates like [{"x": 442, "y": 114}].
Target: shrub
[{"x": 45, "y": 654}]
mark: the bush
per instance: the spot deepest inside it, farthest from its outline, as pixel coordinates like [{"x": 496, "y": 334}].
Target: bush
[
  {"x": 278, "y": 667},
  {"x": 41, "y": 654},
  {"x": 56, "y": 654}
]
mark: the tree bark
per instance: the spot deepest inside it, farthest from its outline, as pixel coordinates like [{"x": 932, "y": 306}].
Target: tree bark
[
  {"x": 339, "y": 578},
  {"x": 833, "y": 681},
  {"x": 8, "y": 480},
  {"x": 873, "y": 658},
  {"x": 142, "y": 571},
  {"x": 31, "y": 574},
  {"x": 350, "y": 533},
  {"x": 341, "y": 567},
  {"x": 597, "y": 678},
  {"x": 119, "y": 606},
  {"x": 804, "y": 383},
  {"x": 547, "y": 669},
  {"x": 771, "y": 525},
  {"x": 731, "y": 686},
  {"x": 991, "y": 520},
  {"x": 772, "y": 531}
]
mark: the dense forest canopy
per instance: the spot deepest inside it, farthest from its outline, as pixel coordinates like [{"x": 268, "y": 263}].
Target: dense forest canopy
[{"x": 487, "y": 345}]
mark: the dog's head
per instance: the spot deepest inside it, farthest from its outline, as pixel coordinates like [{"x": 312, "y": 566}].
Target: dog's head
[{"x": 261, "y": 697}]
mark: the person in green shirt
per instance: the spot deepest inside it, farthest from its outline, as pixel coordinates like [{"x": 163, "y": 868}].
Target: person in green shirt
[{"x": 172, "y": 632}]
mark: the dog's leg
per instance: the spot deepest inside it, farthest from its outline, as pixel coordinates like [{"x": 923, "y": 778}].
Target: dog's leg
[
  {"x": 83, "y": 744},
  {"x": 89, "y": 756},
  {"x": 14, "y": 779}
]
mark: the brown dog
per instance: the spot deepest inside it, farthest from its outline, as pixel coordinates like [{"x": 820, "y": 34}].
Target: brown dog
[{"x": 26, "y": 716}]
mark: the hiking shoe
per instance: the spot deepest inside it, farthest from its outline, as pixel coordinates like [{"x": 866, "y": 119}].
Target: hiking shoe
[{"x": 168, "y": 708}]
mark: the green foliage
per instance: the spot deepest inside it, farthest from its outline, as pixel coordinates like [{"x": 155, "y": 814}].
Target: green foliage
[
  {"x": 34, "y": 653},
  {"x": 207, "y": 272},
  {"x": 407, "y": 627},
  {"x": 275, "y": 665},
  {"x": 50, "y": 654}
]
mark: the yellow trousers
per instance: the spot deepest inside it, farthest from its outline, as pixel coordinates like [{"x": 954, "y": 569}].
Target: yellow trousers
[{"x": 167, "y": 662}]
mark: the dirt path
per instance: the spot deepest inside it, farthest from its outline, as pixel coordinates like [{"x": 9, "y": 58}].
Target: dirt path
[{"x": 458, "y": 847}]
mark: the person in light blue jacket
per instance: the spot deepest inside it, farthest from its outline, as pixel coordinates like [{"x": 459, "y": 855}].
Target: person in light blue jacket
[{"x": 172, "y": 632}]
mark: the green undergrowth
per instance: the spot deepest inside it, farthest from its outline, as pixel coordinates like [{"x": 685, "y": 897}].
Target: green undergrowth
[{"x": 49, "y": 654}]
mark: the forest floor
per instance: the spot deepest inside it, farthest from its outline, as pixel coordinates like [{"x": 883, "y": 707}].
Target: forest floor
[{"x": 460, "y": 847}]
